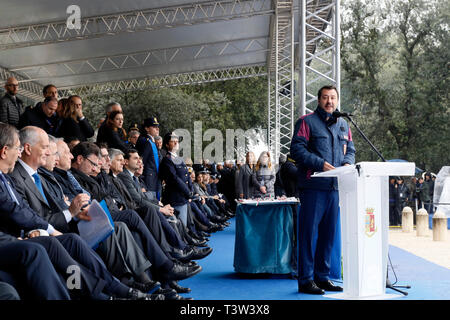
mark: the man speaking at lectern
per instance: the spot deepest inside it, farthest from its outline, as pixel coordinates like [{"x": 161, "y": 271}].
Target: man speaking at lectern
[{"x": 321, "y": 142}]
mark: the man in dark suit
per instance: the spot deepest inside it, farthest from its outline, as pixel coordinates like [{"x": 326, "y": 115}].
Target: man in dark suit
[
  {"x": 85, "y": 165},
  {"x": 131, "y": 182},
  {"x": 17, "y": 217},
  {"x": 150, "y": 213},
  {"x": 43, "y": 116},
  {"x": 151, "y": 157}
]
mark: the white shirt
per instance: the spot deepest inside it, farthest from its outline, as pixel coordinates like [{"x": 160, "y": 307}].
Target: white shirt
[{"x": 31, "y": 171}]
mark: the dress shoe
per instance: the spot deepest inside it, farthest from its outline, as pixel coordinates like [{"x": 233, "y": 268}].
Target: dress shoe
[
  {"x": 180, "y": 272},
  {"x": 149, "y": 287},
  {"x": 135, "y": 294},
  {"x": 328, "y": 286},
  {"x": 200, "y": 253},
  {"x": 171, "y": 294},
  {"x": 214, "y": 227},
  {"x": 197, "y": 242},
  {"x": 310, "y": 288},
  {"x": 179, "y": 289},
  {"x": 205, "y": 234},
  {"x": 184, "y": 255},
  {"x": 168, "y": 294}
]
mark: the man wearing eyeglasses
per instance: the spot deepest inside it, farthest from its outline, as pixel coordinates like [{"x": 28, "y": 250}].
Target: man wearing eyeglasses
[{"x": 11, "y": 107}]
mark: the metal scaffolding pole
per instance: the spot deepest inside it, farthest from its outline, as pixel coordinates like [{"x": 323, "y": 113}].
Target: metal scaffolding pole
[
  {"x": 319, "y": 58},
  {"x": 281, "y": 82}
]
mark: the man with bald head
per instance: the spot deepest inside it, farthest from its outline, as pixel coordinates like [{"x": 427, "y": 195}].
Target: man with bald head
[
  {"x": 11, "y": 107},
  {"x": 36, "y": 151}
]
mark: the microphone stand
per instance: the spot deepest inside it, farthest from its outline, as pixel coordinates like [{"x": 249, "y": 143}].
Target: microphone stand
[
  {"x": 365, "y": 138},
  {"x": 389, "y": 285}
]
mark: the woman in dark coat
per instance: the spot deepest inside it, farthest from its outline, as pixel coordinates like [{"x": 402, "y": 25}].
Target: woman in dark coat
[
  {"x": 114, "y": 134},
  {"x": 74, "y": 123},
  {"x": 245, "y": 184}
]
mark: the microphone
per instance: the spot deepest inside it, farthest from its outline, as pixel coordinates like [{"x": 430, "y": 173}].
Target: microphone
[{"x": 338, "y": 114}]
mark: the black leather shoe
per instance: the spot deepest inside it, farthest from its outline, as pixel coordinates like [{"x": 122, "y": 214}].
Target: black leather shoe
[
  {"x": 182, "y": 255},
  {"x": 180, "y": 272},
  {"x": 196, "y": 242},
  {"x": 149, "y": 287},
  {"x": 179, "y": 289},
  {"x": 200, "y": 253},
  {"x": 178, "y": 297},
  {"x": 169, "y": 294},
  {"x": 310, "y": 288},
  {"x": 328, "y": 286},
  {"x": 135, "y": 294}
]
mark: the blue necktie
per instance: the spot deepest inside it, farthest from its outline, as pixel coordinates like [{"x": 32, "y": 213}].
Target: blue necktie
[
  {"x": 136, "y": 183},
  {"x": 8, "y": 187},
  {"x": 38, "y": 183}
]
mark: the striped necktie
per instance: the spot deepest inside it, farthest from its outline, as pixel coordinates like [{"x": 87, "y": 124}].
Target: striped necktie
[{"x": 8, "y": 187}]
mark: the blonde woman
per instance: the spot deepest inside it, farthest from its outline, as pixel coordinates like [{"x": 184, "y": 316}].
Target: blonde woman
[{"x": 264, "y": 177}]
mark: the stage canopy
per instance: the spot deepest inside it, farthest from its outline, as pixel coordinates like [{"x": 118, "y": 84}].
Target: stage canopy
[{"x": 139, "y": 44}]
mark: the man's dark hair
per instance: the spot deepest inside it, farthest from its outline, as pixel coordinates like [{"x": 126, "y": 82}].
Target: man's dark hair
[
  {"x": 44, "y": 90},
  {"x": 319, "y": 94},
  {"x": 48, "y": 99},
  {"x": 85, "y": 149},
  {"x": 8, "y": 135},
  {"x": 102, "y": 145},
  {"x": 128, "y": 153}
]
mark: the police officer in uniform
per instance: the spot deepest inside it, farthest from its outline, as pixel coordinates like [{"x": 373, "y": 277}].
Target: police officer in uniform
[
  {"x": 151, "y": 157},
  {"x": 175, "y": 174}
]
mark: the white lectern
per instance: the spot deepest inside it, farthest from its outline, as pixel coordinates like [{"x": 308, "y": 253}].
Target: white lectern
[{"x": 364, "y": 207}]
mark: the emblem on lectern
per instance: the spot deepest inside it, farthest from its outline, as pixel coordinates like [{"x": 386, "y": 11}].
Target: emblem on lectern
[{"x": 370, "y": 222}]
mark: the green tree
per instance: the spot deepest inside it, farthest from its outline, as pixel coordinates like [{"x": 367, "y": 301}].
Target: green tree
[{"x": 392, "y": 59}]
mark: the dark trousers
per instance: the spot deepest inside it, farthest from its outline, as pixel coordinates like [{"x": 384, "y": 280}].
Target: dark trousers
[
  {"x": 7, "y": 292},
  {"x": 394, "y": 216},
  {"x": 28, "y": 263},
  {"x": 149, "y": 246},
  {"x": 122, "y": 254},
  {"x": 318, "y": 219},
  {"x": 95, "y": 277}
]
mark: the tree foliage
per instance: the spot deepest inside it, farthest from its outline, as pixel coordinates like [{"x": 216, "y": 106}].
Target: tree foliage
[{"x": 395, "y": 60}]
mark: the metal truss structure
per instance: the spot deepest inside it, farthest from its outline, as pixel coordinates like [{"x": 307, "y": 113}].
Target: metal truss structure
[
  {"x": 166, "y": 81},
  {"x": 319, "y": 49},
  {"x": 133, "y": 21},
  {"x": 141, "y": 59},
  {"x": 28, "y": 89},
  {"x": 295, "y": 43},
  {"x": 281, "y": 80}
]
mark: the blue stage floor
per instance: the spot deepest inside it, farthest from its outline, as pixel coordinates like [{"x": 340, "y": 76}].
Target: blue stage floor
[{"x": 218, "y": 281}]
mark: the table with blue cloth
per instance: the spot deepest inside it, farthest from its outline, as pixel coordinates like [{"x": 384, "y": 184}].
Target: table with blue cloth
[{"x": 264, "y": 238}]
